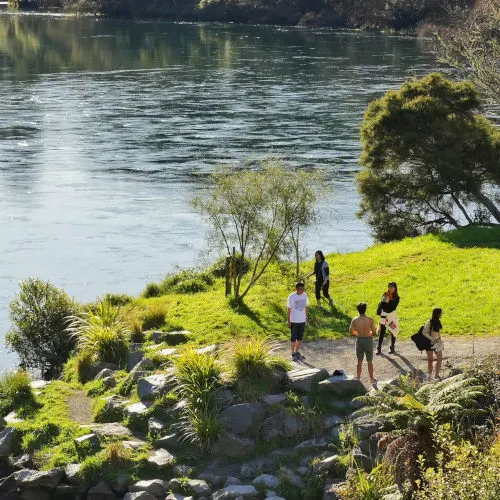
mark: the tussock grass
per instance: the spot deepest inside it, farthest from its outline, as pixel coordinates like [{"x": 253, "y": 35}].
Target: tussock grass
[{"x": 16, "y": 393}]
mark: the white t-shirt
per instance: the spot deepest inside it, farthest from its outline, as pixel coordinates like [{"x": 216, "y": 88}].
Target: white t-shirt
[{"x": 298, "y": 303}]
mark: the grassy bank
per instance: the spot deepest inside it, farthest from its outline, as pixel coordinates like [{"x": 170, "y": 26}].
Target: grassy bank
[{"x": 457, "y": 271}]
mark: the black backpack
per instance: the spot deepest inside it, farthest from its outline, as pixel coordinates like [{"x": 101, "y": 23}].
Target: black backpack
[{"x": 422, "y": 342}]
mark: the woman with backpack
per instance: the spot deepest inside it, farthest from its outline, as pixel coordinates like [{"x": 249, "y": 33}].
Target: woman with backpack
[
  {"x": 432, "y": 331},
  {"x": 322, "y": 273},
  {"x": 388, "y": 317}
]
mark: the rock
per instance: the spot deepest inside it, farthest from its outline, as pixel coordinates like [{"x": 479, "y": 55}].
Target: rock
[
  {"x": 342, "y": 386},
  {"x": 224, "y": 398},
  {"x": 394, "y": 494},
  {"x": 22, "y": 461},
  {"x": 39, "y": 384},
  {"x": 115, "y": 405},
  {"x": 275, "y": 497},
  {"x": 280, "y": 425},
  {"x": 139, "y": 495},
  {"x": 87, "y": 442},
  {"x": 156, "y": 426},
  {"x": 305, "y": 379},
  {"x": 322, "y": 442},
  {"x": 369, "y": 447},
  {"x": 109, "y": 382},
  {"x": 327, "y": 465},
  {"x": 232, "y": 481},
  {"x": 182, "y": 470},
  {"x": 140, "y": 370},
  {"x": 331, "y": 491},
  {"x": 176, "y": 496},
  {"x": 101, "y": 491},
  {"x": 274, "y": 399},
  {"x": 90, "y": 372},
  {"x": 134, "y": 444},
  {"x": 106, "y": 372},
  {"x": 12, "y": 418},
  {"x": 151, "y": 387},
  {"x": 8, "y": 438},
  {"x": 161, "y": 458},
  {"x": 266, "y": 480},
  {"x": 35, "y": 494},
  {"x": 209, "y": 349},
  {"x": 119, "y": 484},
  {"x": 172, "y": 338},
  {"x": 341, "y": 406},
  {"x": 136, "y": 409},
  {"x": 167, "y": 352},
  {"x": 330, "y": 421},
  {"x": 170, "y": 441},
  {"x": 233, "y": 492},
  {"x": 28, "y": 478},
  {"x": 362, "y": 460},
  {"x": 257, "y": 466},
  {"x": 292, "y": 477},
  {"x": 67, "y": 492},
  {"x": 365, "y": 427},
  {"x": 198, "y": 487},
  {"x": 334, "y": 433},
  {"x": 136, "y": 354},
  {"x": 111, "y": 430},
  {"x": 212, "y": 479},
  {"x": 239, "y": 418},
  {"x": 231, "y": 445},
  {"x": 72, "y": 472}
]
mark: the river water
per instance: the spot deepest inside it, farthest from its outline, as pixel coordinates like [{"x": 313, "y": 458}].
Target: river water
[{"x": 108, "y": 128}]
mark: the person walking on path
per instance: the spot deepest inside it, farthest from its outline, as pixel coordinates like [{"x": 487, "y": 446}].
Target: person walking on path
[
  {"x": 322, "y": 273},
  {"x": 297, "y": 308},
  {"x": 363, "y": 328},
  {"x": 388, "y": 316},
  {"x": 432, "y": 331}
]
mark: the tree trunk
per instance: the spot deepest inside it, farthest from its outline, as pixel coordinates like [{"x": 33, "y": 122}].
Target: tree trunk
[{"x": 489, "y": 204}]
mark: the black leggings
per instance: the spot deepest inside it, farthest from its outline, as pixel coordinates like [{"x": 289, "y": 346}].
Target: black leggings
[
  {"x": 383, "y": 329},
  {"x": 319, "y": 287}
]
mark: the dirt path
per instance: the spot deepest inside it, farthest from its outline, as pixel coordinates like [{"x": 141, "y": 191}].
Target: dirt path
[
  {"x": 79, "y": 408},
  {"x": 339, "y": 354}
]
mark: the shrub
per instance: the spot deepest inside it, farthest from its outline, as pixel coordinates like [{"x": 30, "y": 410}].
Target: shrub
[
  {"x": 76, "y": 368},
  {"x": 39, "y": 317},
  {"x": 103, "y": 412},
  {"x": 118, "y": 299},
  {"x": 185, "y": 281},
  {"x": 372, "y": 486},
  {"x": 101, "y": 333},
  {"x": 152, "y": 290},
  {"x": 153, "y": 316},
  {"x": 16, "y": 393}
]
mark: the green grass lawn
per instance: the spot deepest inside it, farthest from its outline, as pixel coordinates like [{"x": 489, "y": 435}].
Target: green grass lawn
[{"x": 457, "y": 271}]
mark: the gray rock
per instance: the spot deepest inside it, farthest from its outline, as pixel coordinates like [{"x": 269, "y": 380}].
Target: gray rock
[
  {"x": 136, "y": 354},
  {"x": 198, "y": 487},
  {"x": 106, "y": 372},
  {"x": 239, "y": 418},
  {"x": 327, "y": 465},
  {"x": 233, "y": 492},
  {"x": 101, "y": 491},
  {"x": 266, "y": 480},
  {"x": 140, "y": 369},
  {"x": 67, "y": 492},
  {"x": 155, "y": 487},
  {"x": 330, "y": 421},
  {"x": 334, "y": 433},
  {"x": 331, "y": 491},
  {"x": 257, "y": 466},
  {"x": 365, "y": 427},
  {"x": 28, "y": 478},
  {"x": 139, "y": 495},
  {"x": 170, "y": 351},
  {"x": 174, "y": 338},
  {"x": 22, "y": 461},
  {"x": 113, "y": 429},
  {"x": 151, "y": 387},
  {"x": 342, "y": 406},
  {"x": 292, "y": 477},
  {"x": 156, "y": 426},
  {"x": 274, "y": 399},
  {"x": 8, "y": 438},
  {"x": 232, "y": 445},
  {"x": 209, "y": 349},
  {"x": 119, "y": 484},
  {"x": 115, "y": 404},
  {"x": 316, "y": 443},
  {"x": 134, "y": 444},
  {"x": 224, "y": 398},
  {"x": 212, "y": 479},
  {"x": 90, "y": 372},
  {"x": 305, "y": 379},
  {"x": 278, "y": 426},
  {"x": 182, "y": 470},
  {"x": 342, "y": 385},
  {"x": 161, "y": 458},
  {"x": 369, "y": 447},
  {"x": 176, "y": 496},
  {"x": 72, "y": 472},
  {"x": 39, "y": 384},
  {"x": 137, "y": 409},
  {"x": 170, "y": 441},
  {"x": 86, "y": 442},
  {"x": 109, "y": 382},
  {"x": 275, "y": 497},
  {"x": 35, "y": 494},
  {"x": 12, "y": 418},
  {"x": 232, "y": 481},
  {"x": 362, "y": 460}
]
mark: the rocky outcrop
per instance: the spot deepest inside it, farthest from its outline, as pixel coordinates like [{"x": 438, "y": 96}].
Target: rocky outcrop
[{"x": 303, "y": 380}]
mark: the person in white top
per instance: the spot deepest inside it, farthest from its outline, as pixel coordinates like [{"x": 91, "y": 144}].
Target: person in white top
[{"x": 297, "y": 308}]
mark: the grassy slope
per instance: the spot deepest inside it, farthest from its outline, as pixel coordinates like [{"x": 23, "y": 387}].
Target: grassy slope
[{"x": 458, "y": 271}]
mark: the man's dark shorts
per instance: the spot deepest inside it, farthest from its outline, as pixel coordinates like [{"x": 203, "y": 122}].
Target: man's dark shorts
[{"x": 297, "y": 331}]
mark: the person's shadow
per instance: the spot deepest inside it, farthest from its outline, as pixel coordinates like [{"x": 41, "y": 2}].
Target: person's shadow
[{"x": 398, "y": 366}]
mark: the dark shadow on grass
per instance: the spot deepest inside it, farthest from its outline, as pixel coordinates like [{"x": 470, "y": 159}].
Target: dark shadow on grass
[
  {"x": 473, "y": 236},
  {"x": 241, "y": 308}
]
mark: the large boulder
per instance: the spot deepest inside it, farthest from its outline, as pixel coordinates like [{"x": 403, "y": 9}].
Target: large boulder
[
  {"x": 362, "y": 460},
  {"x": 330, "y": 421},
  {"x": 305, "y": 379},
  {"x": 328, "y": 465},
  {"x": 113, "y": 429},
  {"x": 8, "y": 438},
  {"x": 267, "y": 481},
  {"x": 66, "y": 492},
  {"x": 101, "y": 491},
  {"x": 151, "y": 387},
  {"x": 139, "y": 370},
  {"x": 257, "y": 466},
  {"x": 233, "y": 492},
  {"x": 136, "y": 409},
  {"x": 105, "y": 372},
  {"x": 136, "y": 353},
  {"x": 28, "y": 478},
  {"x": 171, "y": 442},
  {"x": 72, "y": 472},
  {"x": 274, "y": 399},
  {"x": 156, "y": 426},
  {"x": 232, "y": 445},
  {"x": 212, "y": 479},
  {"x": 279, "y": 426},
  {"x": 91, "y": 371},
  {"x": 239, "y": 418},
  {"x": 161, "y": 458},
  {"x": 198, "y": 487},
  {"x": 139, "y": 495},
  {"x": 87, "y": 442},
  {"x": 155, "y": 487},
  {"x": 134, "y": 444},
  {"x": 342, "y": 386},
  {"x": 364, "y": 427},
  {"x": 316, "y": 443}
]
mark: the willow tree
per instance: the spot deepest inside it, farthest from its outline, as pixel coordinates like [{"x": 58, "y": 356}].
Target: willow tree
[
  {"x": 258, "y": 211},
  {"x": 431, "y": 160}
]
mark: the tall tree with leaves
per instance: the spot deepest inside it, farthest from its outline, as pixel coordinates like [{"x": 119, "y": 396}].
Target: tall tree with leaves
[
  {"x": 257, "y": 211},
  {"x": 431, "y": 160}
]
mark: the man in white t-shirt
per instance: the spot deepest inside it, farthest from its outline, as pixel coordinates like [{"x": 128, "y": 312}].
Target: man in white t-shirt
[{"x": 297, "y": 309}]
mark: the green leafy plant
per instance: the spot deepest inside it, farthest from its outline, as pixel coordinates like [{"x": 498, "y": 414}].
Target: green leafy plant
[
  {"x": 16, "y": 394},
  {"x": 367, "y": 486}
]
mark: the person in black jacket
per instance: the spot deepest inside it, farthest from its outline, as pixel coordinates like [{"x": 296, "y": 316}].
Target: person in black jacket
[
  {"x": 322, "y": 273},
  {"x": 388, "y": 304}
]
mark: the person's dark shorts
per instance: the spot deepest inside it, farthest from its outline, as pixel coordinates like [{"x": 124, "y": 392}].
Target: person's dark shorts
[
  {"x": 297, "y": 331},
  {"x": 364, "y": 347}
]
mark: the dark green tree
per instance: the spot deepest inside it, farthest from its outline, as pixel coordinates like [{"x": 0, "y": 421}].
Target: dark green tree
[{"x": 431, "y": 160}]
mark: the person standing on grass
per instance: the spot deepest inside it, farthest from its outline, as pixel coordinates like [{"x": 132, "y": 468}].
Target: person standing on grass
[
  {"x": 363, "y": 328},
  {"x": 322, "y": 273},
  {"x": 388, "y": 316},
  {"x": 432, "y": 331},
  {"x": 297, "y": 308}
]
